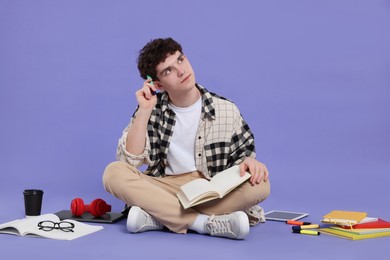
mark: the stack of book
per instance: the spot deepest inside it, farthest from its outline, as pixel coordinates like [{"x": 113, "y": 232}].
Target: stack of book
[{"x": 354, "y": 225}]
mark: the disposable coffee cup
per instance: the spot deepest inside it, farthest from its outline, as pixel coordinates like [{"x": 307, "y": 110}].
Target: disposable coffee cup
[{"x": 33, "y": 202}]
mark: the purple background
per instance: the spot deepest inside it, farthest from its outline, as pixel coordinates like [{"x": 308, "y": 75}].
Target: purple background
[{"x": 310, "y": 77}]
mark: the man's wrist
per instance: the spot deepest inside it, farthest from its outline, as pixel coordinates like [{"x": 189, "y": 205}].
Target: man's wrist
[{"x": 143, "y": 113}]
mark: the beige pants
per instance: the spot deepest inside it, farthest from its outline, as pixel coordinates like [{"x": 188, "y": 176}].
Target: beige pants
[{"x": 157, "y": 195}]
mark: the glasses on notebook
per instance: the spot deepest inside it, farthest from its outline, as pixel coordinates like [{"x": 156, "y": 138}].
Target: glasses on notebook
[{"x": 48, "y": 225}]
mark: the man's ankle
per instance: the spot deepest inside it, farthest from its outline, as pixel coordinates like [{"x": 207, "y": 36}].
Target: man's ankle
[{"x": 199, "y": 224}]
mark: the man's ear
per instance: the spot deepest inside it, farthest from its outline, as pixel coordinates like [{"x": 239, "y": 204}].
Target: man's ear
[{"x": 159, "y": 86}]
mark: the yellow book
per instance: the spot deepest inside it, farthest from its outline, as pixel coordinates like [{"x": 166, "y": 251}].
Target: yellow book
[
  {"x": 362, "y": 231},
  {"x": 352, "y": 236},
  {"x": 343, "y": 217}
]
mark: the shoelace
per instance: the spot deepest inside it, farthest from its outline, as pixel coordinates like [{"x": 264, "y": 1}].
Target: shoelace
[{"x": 219, "y": 225}]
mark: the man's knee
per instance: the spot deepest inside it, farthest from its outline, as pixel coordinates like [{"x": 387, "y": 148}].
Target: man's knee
[
  {"x": 254, "y": 194},
  {"x": 113, "y": 172}
]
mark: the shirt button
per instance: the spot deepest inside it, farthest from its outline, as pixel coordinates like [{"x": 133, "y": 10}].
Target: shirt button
[
  {"x": 199, "y": 137},
  {"x": 199, "y": 154}
]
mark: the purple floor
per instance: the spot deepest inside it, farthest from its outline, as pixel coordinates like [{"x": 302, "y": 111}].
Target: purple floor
[{"x": 271, "y": 239}]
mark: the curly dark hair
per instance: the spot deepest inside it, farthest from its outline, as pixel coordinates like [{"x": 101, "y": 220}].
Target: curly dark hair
[{"x": 153, "y": 53}]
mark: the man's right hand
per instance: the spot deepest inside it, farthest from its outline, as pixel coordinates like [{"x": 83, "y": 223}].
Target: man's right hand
[
  {"x": 135, "y": 143},
  {"x": 145, "y": 97}
]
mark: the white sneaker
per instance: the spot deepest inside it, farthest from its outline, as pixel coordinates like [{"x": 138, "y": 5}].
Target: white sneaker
[
  {"x": 139, "y": 220},
  {"x": 234, "y": 225}
]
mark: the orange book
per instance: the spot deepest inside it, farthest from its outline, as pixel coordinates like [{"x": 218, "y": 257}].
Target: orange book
[{"x": 343, "y": 217}]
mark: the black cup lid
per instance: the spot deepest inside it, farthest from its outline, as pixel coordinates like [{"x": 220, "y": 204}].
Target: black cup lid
[{"x": 32, "y": 192}]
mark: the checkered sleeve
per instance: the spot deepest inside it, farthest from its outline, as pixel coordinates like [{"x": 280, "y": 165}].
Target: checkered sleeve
[{"x": 123, "y": 155}]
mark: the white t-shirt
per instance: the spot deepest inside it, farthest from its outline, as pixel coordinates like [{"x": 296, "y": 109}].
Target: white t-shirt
[{"x": 181, "y": 152}]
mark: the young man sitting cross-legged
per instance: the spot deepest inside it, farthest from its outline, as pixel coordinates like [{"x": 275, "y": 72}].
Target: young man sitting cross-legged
[{"x": 182, "y": 133}]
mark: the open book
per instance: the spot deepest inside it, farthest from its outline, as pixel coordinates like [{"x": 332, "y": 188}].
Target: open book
[
  {"x": 201, "y": 190},
  {"x": 29, "y": 227}
]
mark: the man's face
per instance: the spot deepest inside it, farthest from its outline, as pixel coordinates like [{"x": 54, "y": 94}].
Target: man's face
[{"x": 175, "y": 73}]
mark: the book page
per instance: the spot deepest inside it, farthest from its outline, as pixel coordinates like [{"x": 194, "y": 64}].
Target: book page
[
  {"x": 11, "y": 228},
  {"x": 196, "y": 188},
  {"x": 228, "y": 179},
  {"x": 27, "y": 225},
  {"x": 80, "y": 229}
]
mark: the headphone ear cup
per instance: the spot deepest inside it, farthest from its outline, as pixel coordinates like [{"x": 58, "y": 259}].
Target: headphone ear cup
[
  {"x": 99, "y": 207},
  {"x": 77, "y": 207}
]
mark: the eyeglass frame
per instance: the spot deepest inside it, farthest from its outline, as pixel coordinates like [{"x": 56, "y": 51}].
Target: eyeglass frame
[{"x": 56, "y": 225}]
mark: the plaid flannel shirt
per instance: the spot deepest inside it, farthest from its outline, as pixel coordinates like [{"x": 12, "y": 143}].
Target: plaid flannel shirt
[{"x": 223, "y": 138}]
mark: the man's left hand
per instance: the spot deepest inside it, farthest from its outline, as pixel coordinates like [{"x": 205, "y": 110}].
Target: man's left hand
[{"x": 257, "y": 169}]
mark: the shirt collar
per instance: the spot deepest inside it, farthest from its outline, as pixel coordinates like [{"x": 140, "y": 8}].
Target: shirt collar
[{"x": 207, "y": 102}]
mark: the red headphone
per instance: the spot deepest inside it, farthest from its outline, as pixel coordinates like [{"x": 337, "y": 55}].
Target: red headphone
[{"x": 97, "y": 208}]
